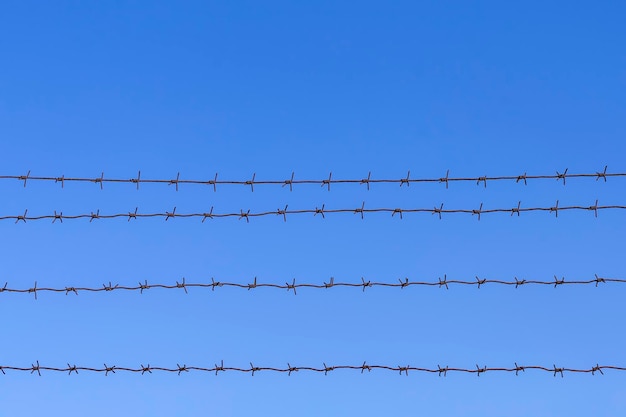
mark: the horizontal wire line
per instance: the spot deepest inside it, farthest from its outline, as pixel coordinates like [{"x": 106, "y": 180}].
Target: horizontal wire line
[
  {"x": 321, "y": 211},
  {"x": 325, "y": 369},
  {"x": 325, "y": 285},
  {"x": 559, "y": 176}
]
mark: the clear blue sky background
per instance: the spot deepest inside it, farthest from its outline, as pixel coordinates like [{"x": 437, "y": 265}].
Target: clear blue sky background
[{"x": 480, "y": 88}]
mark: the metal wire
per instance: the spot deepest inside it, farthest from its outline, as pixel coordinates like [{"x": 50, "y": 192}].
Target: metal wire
[
  {"x": 323, "y": 211},
  {"x": 559, "y": 176},
  {"x": 293, "y": 286},
  {"x": 324, "y": 369}
]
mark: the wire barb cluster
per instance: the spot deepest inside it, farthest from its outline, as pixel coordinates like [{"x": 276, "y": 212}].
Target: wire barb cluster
[
  {"x": 559, "y": 176},
  {"x": 293, "y": 286},
  {"x": 322, "y": 211},
  {"x": 325, "y": 369}
]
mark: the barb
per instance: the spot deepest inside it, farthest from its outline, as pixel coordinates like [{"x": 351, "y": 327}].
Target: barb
[
  {"x": 326, "y": 182},
  {"x": 323, "y": 211},
  {"x": 325, "y": 369},
  {"x": 294, "y": 286}
]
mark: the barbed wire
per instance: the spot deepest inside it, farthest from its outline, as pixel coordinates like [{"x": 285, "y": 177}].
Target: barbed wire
[
  {"x": 294, "y": 286},
  {"x": 323, "y": 211},
  {"x": 147, "y": 369},
  {"x": 559, "y": 176}
]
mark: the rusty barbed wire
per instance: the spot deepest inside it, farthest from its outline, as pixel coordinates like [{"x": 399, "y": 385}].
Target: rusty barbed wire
[
  {"x": 322, "y": 211},
  {"x": 147, "y": 369},
  {"x": 559, "y": 176},
  {"x": 294, "y": 286}
]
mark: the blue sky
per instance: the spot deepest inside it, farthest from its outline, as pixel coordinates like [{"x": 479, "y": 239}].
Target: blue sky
[{"x": 479, "y": 88}]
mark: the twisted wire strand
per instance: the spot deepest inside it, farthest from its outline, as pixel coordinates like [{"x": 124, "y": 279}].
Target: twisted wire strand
[
  {"x": 147, "y": 369},
  {"x": 322, "y": 211},
  {"x": 294, "y": 286},
  {"x": 326, "y": 182}
]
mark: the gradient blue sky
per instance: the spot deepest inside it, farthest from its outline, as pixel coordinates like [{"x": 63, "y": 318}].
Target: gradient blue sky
[{"x": 480, "y": 88}]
